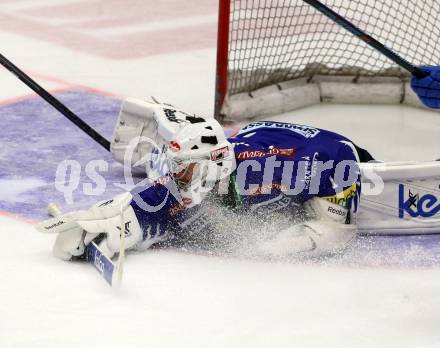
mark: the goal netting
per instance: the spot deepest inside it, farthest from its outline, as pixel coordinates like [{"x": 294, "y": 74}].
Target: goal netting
[{"x": 275, "y": 55}]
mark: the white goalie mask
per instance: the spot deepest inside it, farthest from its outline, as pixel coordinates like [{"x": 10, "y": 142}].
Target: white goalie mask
[{"x": 199, "y": 156}]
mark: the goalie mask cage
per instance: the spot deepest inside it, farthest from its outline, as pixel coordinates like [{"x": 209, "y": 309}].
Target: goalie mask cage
[{"x": 275, "y": 56}]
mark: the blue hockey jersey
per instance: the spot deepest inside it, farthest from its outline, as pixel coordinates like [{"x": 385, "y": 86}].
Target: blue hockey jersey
[{"x": 279, "y": 167}]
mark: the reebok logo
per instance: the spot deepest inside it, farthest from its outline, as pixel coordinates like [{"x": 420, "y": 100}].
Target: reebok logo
[
  {"x": 336, "y": 211},
  {"x": 126, "y": 229},
  {"x": 106, "y": 203},
  {"x": 54, "y": 225}
]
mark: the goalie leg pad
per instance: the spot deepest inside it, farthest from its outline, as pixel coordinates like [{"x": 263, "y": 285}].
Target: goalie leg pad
[{"x": 408, "y": 202}]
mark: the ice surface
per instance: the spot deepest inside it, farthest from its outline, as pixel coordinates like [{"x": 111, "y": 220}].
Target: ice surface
[
  {"x": 15, "y": 190},
  {"x": 171, "y": 298}
]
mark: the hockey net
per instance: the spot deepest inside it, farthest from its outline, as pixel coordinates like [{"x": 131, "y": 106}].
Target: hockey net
[{"x": 275, "y": 55}]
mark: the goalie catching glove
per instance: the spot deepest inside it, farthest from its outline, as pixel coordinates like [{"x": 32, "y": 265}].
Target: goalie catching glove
[
  {"x": 78, "y": 229},
  {"x": 428, "y": 87}
]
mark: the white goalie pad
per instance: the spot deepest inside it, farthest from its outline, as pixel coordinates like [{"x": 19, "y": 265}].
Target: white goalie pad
[
  {"x": 400, "y": 198},
  {"x": 142, "y": 130}
]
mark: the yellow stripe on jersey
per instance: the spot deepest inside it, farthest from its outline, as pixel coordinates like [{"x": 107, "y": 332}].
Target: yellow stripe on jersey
[{"x": 342, "y": 198}]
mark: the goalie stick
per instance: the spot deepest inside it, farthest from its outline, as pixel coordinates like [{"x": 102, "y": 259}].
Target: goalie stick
[
  {"x": 105, "y": 266},
  {"x": 64, "y": 110},
  {"x": 338, "y": 19}
]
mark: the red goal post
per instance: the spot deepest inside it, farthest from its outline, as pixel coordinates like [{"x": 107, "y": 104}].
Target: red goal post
[{"x": 275, "y": 56}]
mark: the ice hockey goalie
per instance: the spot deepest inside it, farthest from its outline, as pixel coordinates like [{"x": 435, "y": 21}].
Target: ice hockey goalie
[{"x": 271, "y": 189}]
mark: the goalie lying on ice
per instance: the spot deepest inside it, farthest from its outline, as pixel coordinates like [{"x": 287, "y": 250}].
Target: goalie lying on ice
[{"x": 272, "y": 189}]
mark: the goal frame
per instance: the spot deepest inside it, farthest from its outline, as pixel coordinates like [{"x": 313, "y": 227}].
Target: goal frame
[
  {"x": 221, "y": 76},
  {"x": 391, "y": 87}
]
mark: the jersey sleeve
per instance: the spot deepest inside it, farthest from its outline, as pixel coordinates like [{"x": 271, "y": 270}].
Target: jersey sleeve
[
  {"x": 341, "y": 184},
  {"x": 153, "y": 207},
  {"x": 164, "y": 217}
]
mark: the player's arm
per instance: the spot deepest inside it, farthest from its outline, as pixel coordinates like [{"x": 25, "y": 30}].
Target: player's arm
[
  {"x": 332, "y": 212},
  {"x": 332, "y": 223},
  {"x": 428, "y": 88}
]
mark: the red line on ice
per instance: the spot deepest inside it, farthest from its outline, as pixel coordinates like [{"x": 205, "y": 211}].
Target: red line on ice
[
  {"x": 68, "y": 86},
  {"x": 110, "y": 14}
]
